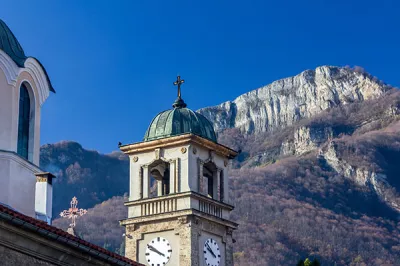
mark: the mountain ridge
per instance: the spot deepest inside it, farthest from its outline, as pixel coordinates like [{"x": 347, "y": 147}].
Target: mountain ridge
[
  {"x": 324, "y": 185},
  {"x": 288, "y": 100}
]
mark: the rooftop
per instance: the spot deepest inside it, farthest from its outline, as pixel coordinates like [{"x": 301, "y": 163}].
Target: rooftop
[{"x": 48, "y": 231}]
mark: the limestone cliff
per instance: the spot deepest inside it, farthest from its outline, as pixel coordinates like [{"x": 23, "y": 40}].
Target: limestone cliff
[{"x": 288, "y": 100}]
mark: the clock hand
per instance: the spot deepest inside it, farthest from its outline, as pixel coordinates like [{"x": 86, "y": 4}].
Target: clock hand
[
  {"x": 155, "y": 250},
  {"x": 209, "y": 248}
]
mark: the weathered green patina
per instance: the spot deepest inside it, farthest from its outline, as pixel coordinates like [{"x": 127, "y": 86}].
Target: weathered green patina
[
  {"x": 178, "y": 121},
  {"x": 10, "y": 45}
]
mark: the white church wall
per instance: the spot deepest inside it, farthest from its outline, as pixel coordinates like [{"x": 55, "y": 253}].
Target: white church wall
[
  {"x": 6, "y": 113},
  {"x": 19, "y": 184},
  {"x": 4, "y": 178},
  {"x": 34, "y": 131}
]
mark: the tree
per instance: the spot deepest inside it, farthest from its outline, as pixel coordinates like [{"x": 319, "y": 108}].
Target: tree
[{"x": 308, "y": 262}]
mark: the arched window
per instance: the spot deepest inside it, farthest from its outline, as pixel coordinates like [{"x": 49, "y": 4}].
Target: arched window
[
  {"x": 159, "y": 179},
  {"x": 210, "y": 174},
  {"x": 23, "y": 122}
]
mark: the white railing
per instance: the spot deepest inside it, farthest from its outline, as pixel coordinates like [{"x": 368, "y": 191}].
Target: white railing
[
  {"x": 160, "y": 206},
  {"x": 210, "y": 208}
]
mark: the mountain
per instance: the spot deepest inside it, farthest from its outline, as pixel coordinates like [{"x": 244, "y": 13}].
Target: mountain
[
  {"x": 88, "y": 175},
  {"x": 286, "y": 101},
  {"x": 318, "y": 174}
]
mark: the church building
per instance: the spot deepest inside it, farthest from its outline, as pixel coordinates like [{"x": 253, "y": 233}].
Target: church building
[
  {"x": 26, "y": 236},
  {"x": 24, "y": 88},
  {"x": 179, "y": 204}
]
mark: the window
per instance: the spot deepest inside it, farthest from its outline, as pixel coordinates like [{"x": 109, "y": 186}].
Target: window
[
  {"x": 23, "y": 122},
  {"x": 159, "y": 179},
  {"x": 209, "y": 176}
]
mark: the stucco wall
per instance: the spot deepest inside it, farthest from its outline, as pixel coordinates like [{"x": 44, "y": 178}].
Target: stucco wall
[
  {"x": 19, "y": 182},
  {"x": 17, "y": 176},
  {"x": 6, "y": 111}
]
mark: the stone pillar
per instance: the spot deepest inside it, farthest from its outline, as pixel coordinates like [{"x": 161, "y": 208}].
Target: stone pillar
[
  {"x": 189, "y": 241},
  {"x": 131, "y": 239},
  {"x": 217, "y": 185},
  {"x": 159, "y": 188},
  {"x": 221, "y": 184},
  {"x": 146, "y": 182},
  {"x": 201, "y": 177},
  {"x": 172, "y": 177},
  {"x": 229, "y": 248},
  {"x": 140, "y": 186}
]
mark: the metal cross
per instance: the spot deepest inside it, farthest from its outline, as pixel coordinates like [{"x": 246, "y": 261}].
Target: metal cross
[
  {"x": 178, "y": 83},
  {"x": 73, "y": 212}
]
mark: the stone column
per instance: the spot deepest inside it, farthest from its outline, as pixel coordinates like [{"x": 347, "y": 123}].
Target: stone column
[
  {"x": 221, "y": 184},
  {"x": 172, "y": 177},
  {"x": 146, "y": 182},
  {"x": 159, "y": 188},
  {"x": 229, "y": 248},
  {"x": 140, "y": 187},
  {"x": 217, "y": 185},
  {"x": 189, "y": 241},
  {"x": 201, "y": 178}
]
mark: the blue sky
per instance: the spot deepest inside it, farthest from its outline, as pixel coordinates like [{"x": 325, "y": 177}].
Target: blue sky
[{"x": 112, "y": 63}]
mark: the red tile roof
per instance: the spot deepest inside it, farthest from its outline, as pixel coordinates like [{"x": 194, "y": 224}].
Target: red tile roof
[{"x": 61, "y": 233}]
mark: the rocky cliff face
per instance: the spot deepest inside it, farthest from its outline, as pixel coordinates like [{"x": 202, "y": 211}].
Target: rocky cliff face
[
  {"x": 288, "y": 100},
  {"x": 326, "y": 184}
]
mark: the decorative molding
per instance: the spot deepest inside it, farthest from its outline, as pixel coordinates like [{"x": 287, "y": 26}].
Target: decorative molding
[
  {"x": 210, "y": 156},
  {"x": 18, "y": 159},
  {"x": 155, "y": 160},
  {"x": 183, "y": 150},
  {"x": 41, "y": 179},
  {"x": 194, "y": 150},
  {"x": 178, "y": 141},
  {"x": 33, "y": 68},
  {"x": 157, "y": 153},
  {"x": 135, "y": 159},
  {"x": 9, "y": 68}
]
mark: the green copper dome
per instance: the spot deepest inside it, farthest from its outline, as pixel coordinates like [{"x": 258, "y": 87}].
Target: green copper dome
[
  {"x": 180, "y": 120},
  {"x": 10, "y": 45}
]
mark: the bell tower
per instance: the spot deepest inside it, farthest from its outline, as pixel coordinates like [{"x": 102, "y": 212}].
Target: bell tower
[{"x": 179, "y": 205}]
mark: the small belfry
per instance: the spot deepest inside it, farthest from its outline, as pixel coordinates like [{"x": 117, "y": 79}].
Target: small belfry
[{"x": 179, "y": 205}]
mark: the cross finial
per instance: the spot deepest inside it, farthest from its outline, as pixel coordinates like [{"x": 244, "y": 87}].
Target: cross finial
[
  {"x": 179, "y": 103},
  {"x": 178, "y": 83},
  {"x": 73, "y": 212}
]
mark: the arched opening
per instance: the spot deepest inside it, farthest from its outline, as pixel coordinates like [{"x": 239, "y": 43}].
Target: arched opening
[
  {"x": 159, "y": 179},
  {"x": 25, "y": 123},
  {"x": 211, "y": 183}
]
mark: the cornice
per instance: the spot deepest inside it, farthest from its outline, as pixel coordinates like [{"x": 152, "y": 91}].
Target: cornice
[
  {"x": 18, "y": 159},
  {"x": 176, "y": 214},
  {"x": 145, "y": 146},
  {"x": 33, "y": 68},
  {"x": 180, "y": 195},
  {"x": 9, "y": 68}
]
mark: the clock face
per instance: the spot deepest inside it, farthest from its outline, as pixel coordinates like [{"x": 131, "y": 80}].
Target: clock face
[
  {"x": 212, "y": 254},
  {"x": 158, "y": 252}
]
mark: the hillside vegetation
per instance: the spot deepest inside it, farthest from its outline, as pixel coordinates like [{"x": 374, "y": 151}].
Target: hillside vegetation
[{"x": 325, "y": 186}]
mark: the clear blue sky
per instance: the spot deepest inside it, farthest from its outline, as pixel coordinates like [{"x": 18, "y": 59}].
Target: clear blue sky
[{"x": 112, "y": 63}]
